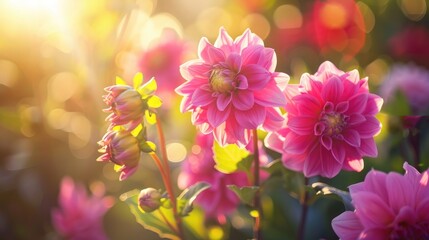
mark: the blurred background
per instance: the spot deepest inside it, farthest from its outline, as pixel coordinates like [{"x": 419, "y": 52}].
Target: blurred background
[{"x": 56, "y": 56}]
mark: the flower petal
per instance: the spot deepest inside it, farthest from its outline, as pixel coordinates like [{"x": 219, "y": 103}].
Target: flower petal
[
  {"x": 216, "y": 117},
  {"x": 369, "y": 128},
  {"x": 372, "y": 210},
  {"x": 338, "y": 151},
  {"x": 257, "y": 77},
  {"x": 333, "y": 89},
  {"x": 202, "y": 97},
  {"x": 223, "y": 39},
  {"x": 352, "y": 137},
  {"x": 276, "y": 97},
  {"x": 223, "y": 101},
  {"x": 234, "y": 62},
  {"x": 243, "y": 100},
  {"x": 297, "y": 144},
  {"x": 251, "y": 118},
  {"x": 301, "y": 125},
  {"x": 347, "y": 226},
  {"x": 368, "y": 147},
  {"x": 358, "y": 102},
  {"x": 400, "y": 193}
]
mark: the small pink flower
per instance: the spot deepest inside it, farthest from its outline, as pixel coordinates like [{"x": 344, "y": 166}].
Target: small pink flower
[
  {"x": 121, "y": 148},
  {"x": 217, "y": 200},
  {"x": 330, "y": 123},
  {"x": 232, "y": 88},
  {"x": 387, "y": 206},
  {"x": 79, "y": 216},
  {"x": 126, "y": 106},
  {"x": 410, "y": 80}
]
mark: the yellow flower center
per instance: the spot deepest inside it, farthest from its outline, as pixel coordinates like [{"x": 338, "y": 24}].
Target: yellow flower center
[{"x": 220, "y": 81}]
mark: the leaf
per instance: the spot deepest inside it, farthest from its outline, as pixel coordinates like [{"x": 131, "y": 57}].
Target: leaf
[
  {"x": 147, "y": 146},
  {"x": 227, "y": 158},
  {"x": 137, "y": 80},
  {"x": 325, "y": 189},
  {"x": 187, "y": 197},
  {"x": 151, "y": 221},
  {"x": 150, "y": 117},
  {"x": 246, "y": 193},
  {"x": 154, "y": 101},
  {"x": 120, "y": 81},
  {"x": 148, "y": 88}
]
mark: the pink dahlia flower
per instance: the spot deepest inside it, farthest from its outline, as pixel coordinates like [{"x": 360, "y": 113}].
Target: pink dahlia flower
[
  {"x": 330, "y": 123},
  {"x": 79, "y": 216},
  {"x": 410, "y": 80},
  {"x": 217, "y": 200},
  {"x": 126, "y": 106},
  {"x": 121, "y": 148},
  {"x": 387, "y": 206},
  {"x": 232, "y": 88}
]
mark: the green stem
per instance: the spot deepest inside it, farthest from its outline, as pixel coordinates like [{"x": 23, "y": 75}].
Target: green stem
[
  {"x": 257, "y": 199},
  {"x": 301, "y": 229}
]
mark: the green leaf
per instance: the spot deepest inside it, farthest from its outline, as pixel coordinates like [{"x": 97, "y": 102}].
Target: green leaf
[
  {"x": 120, "y": 81},
  {"x": 246, "y": 193},
  {"x": 151, "y": 221},
  {"x": 187, "y": 197},
  {"x": 324, "y": 189},
  {"x": 148, "y": 88},
  {"x": 227, "y": 158},
  {"x": 154, "y": 101},
  {"x": 147, "y": 146},
  {"x": 138, "y": 80},
  {"x": 150, "y": 117}
]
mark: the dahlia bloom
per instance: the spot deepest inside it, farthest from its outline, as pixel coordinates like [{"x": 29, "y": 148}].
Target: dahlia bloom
[
  {"x": 412, "y": 81},
  {"x": 387, "y": 206},
  {"x": 125, "y": 106},
  {"x": 232, "y": 88},
  {"x": 122, "y": 148},
  {"x": 217, "y": 200},
  {"x": 330, "y": 123},
  {"x": 79, "y": 216}
]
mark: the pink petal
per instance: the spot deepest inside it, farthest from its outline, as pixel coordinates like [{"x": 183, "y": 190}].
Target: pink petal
[
  {"x": 274, "y": 141},
  {"x": 297, "y": 144},
  {"x": 368, "y": 147},
  {"x": 216, "y": 117},
  {"x": 195, "y": 69},
  {"x": 242, "y": 82},
  {"x": 273, "y": 120},
  {"x": 277, "y": 98},
  {"x": 373, "y": 105},
  {"x": 342, "y": 107},
  {"x": 354, "y": 165},
  {"x": 369, "y": 128},
  {"x": 281, "y": 80},
  {"x": 422, "y": 209},
  {"x": 223, "y": 101},
  {"x": 333, "y": 89},
  {"x": 353, "y": 76},
  {"x": 215, "y": 55},
  {"x": 330, "y": 166},
  {"x": 308, "y": 105},
  {"x": 372, "y": 210},
  {"x": 234, "y": 62},
  {"x": 251, "y": 118},
  {"x": 375, "y": 234},
  {"x": 327, "y": 66},
  {"x": 375, "y": 182},
  {"x": 126, "y": 172},
  {"x": 400, "y": 191},
  {"x": 243, "y": 100},
  {"x": 246, "y": 39},
  {"x": 188, "y": 88},
  {"x": 338, "y": 151},
  {"x": 352, "y": 137},
  {"x": 301, "y": 125},
  {"x": 347, "y": 226},
  {"x": 313, "y": 164},
  {"x": 186, "y": 104},
  {"x": 257, "y": 77},
  {"x": 223, "y": 39},
  {"x": 358, "y": 102},
  {"x": 202, "y": 97},
  {"x": 356, "y": 118},
  {"x": 326, "y": 142},
  {"x": 253, "y": 55},
  {"x": 202, "y": 49}
]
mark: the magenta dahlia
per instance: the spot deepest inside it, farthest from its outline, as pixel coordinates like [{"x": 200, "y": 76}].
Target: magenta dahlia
[
  {"x": 232, "y": 88},
  {"x": 387, "y": 206},
  {"x": 330, "y": 123}
]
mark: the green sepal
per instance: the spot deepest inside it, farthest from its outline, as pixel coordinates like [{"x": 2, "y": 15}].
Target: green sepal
[{"x": 147, "y": 146}]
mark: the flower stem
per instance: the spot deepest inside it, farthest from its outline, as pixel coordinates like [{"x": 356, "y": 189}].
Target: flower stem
[
  {"x": 168, "y": 181},
  {"x": 257, "y": 199},
  {"x": 301, "y": 229}
]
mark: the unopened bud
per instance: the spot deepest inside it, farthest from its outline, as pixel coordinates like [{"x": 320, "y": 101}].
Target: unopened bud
[{"x": 149, "y": 199}]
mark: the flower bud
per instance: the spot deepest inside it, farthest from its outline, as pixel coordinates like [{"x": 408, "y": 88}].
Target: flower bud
[
  {"x": 149, "y": 199},
  {"x": 125, "y": 106},
  {"x": 121, "y": 148}
]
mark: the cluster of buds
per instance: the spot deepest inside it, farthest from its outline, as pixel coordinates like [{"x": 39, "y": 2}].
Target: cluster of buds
[{"x": 128, "y": 107}]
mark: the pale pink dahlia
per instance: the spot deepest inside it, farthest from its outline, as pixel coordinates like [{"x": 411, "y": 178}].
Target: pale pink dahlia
[
  {"x": 79, "y": 216},
  {"x": 330, "y": 123},
  {"x": 387, "y": 206},
  {"x": 232, "y": 88}
]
